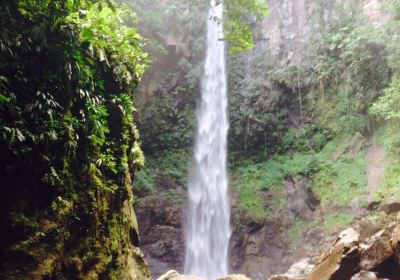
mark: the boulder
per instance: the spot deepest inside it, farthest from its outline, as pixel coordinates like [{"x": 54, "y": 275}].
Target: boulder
[
  {"x": 161, "y": 233},
  {"x": 297, "y": 271},
  {"x": 349, "y": 238},
  {"x": 235, "y": 277},
  {"x": 340, "y": 261},
  {"x": 300, "y": 199},
  {"x": 376, "y": 249},
  {"x": 278, "y": 277},
  {"x": 395, "y": 243},
  {"x": 300, "y": 269},
  {"x": 365, "y": 275},
  {"x": 374, "y": 255},
  {"x": 174, "y": 275},
  {"x": 373, "y": 205},
  {"x": 170, "y": 275},
  {"x": 390, "y": 207}
]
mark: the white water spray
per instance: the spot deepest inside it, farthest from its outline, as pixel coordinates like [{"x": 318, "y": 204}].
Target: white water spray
[{"x": 208, "y": 229}]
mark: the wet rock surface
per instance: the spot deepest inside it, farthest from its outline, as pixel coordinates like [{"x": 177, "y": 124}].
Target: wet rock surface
[
  {"x": 261, "y": 248},
  {"x": 297, "y": 271},
  {"x": 234, "y": 277},
  {"x": 355, "y": 256},
  {"x": 286, "y": 30},
  {"x": 365, "y": 275},
  {"x": 340, "y": 261},
  {"x": 174, "y": 275},
  {"x": 258, "y": 248},
  {"x": 161, "y": 232},
  {"x": 390, "y": 207},
  {"x": 376, "y": 249},
  {"x": 395, "y": 242}
]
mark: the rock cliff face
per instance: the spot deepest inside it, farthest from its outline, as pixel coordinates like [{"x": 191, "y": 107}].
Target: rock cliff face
[
  {"x": 161, "y": 231},
  {"x": 290, "y": 24},
  {"x": 261, "y": 247},
  {"x": 68, "y": 145},
  {"x": 258, "y": 247},
  {"x": 368, "y": 251},
  {"x": 86, "y": 234}
]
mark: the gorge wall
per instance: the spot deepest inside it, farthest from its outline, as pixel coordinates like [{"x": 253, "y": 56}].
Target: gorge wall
[
  {"x": 68, "y": 143},
  {"x": 292, "y": 217},
  {"x": 286, "y": 31}
]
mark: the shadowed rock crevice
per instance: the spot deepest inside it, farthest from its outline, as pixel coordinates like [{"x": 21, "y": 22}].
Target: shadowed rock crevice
[{"x": 134, "y": 237}]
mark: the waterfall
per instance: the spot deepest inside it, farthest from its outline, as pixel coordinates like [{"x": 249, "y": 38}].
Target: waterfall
[{"x": 208, "y": 229}]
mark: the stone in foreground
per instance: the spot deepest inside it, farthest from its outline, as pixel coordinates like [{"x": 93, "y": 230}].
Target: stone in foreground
[
  {"x": 341, "y": 260},
  {"x": 391, "y": 207},
  {"x": 364, "y": 275},
  {"x": 234, "y": 277},
  {"x": 376, "y": 249},
  {"x": 297, "y": 271},
  {"x": 174, "y": 275}
]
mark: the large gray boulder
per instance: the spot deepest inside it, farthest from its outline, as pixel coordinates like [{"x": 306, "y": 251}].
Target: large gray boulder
[
  {"x": 297, "y": 271},
  {"x": 390, "y": 207},
  {"x": 376, "y": 249},
  {"x": 365, "y": 275},
  {"x": 235, "y": 277},
  {"x": 174, "y": 275},
  {"x": 341, "y": 260}
]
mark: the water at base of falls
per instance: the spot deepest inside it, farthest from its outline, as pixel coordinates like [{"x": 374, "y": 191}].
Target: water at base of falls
[{"x": 208, "y": 230}]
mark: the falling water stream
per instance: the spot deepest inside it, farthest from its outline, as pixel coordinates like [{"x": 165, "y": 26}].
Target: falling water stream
[{"x": 208, "y": 230}]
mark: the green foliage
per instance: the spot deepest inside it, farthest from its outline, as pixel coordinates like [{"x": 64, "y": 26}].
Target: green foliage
[
  {"x": 389, "y": 187},
  {"x": 251, "y": 201},
  {"x": 175, "y": 36},
  {"x": 323, "y": 98},
  {"x": 296, "y": 232},
  {"x": 388, "y": 136},
  {"x": 257, "y": 105},
  {"x": 391, "y": 33},
  {"x": 167, "y": 121},
  {"x": 102, "y": 44},
  {"x": 254, "y": 178},
  {"x": 157, "y": 20},
  {"x": 336, "y": 222},
  {"x": 163, "y": 172},
  {"x": 334, "y": 182},
  {"x": 350, "y": 65},
  {"x": 175, "y": 33},
  {"x": 172, "y": 195},
  {"x": 145, "y": 181},
  {"x": 68, "y": 141},
  {"x": 175, "y": 163},
  {"x": 296, "y": 164},
  {"x": 388, "y": 105},
  {"x": 104, "y": 30},
  {"x": 237, "y": 29},
  {"x": 338, "y": 182}
]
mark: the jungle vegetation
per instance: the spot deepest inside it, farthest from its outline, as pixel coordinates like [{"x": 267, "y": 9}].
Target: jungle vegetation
[{"x": 69, "y": 145}]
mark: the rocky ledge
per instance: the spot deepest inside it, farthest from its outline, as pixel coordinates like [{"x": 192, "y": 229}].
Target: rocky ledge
[
  {"x": 368, "y": 251},
  {"x": 174, "y": 275}
]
